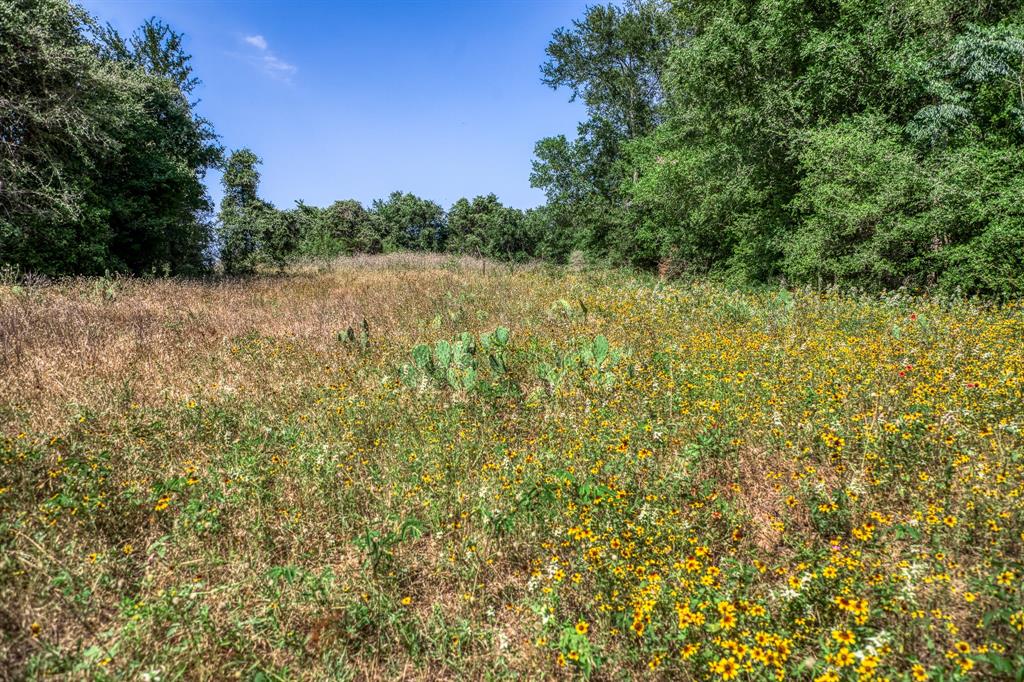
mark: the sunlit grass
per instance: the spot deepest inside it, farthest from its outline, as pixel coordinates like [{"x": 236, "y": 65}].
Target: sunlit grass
[{"x": 218, "y": 480}]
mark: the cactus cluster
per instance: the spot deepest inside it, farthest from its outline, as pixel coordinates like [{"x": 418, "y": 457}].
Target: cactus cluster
[
  {"x": 461, "y": 364},
  {"x": 481, "y": 364},
  {"x": 594, "y": 360},
  {"x": 362, "y": 339}
]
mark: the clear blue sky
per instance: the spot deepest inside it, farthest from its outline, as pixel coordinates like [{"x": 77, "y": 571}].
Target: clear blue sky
[{"x": 356, "y": 99}]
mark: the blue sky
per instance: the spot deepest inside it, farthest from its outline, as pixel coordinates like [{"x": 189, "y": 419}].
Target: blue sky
[{"x": 356, "y": 99}]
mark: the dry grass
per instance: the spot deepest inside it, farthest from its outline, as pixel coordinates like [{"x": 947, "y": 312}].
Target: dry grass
[
  {"x": 72, "y": 343},
  {"x": 211, "y": 480}
]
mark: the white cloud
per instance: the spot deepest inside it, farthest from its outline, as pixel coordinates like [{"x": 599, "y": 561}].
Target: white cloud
[
  {"x": 278, "y": 68},
  {"x": 270, "y": 63},
  {"x": 257, "y": 41}
]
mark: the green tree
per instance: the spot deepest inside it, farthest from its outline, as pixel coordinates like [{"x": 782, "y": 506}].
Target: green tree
[
  {"x": 613, "y": 60},
  {"x": 406, "y": 221},
  {"x": 829, "y": 142},
  {"x": 55, "y": 123},
  {"x": 159, "y": 208},
  {"x": 340, "y": 229},
  {"x": 155, "y": 47},
  {"x": 861, "y": 198},
  {"x": 101, "y": 154},
  {"x": 484, "y": 227},
  {"x": 240, "y": 213},
  {"x": 278, "y": 234},
  {"x": 549, "y": 238}
]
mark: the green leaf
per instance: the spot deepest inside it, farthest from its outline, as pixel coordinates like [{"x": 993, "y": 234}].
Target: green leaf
[
  {"x": 443, "y": 353},
  {"x": 1000, "y": 663},
  {"x": 600, "y": 349},
  {"x": 412, "y": 528},
  {"x": 421, "y": 355}
]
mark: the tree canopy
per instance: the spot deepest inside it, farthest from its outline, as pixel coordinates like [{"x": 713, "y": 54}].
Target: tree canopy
[
  {"x": 869, "y": 143},
  {"x": 101, "y": 153}
]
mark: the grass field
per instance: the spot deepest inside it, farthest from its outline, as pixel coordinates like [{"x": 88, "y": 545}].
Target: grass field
[{"x": 605, "y": 476}]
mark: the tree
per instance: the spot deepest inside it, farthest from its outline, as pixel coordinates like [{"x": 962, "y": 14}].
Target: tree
[
  {"x": 240, "y": 212},
  {"x": 829, "y": 142},
  {"x": 860, "y": 198},
  {"x": 159, "y": 207},
  {"x": 277, "y": 234},
  {"x": 344, "y": 221},
  {"x": 334, "y": 231},
  {"x": 484, "y": 227},
  {"x": 613, "y": 59},
  {"x": 156, "y": 48},
  {"x": 409, "y": 222},
  {"x": 101, "y": 154},
  {"x": 549, "y": 238},
  {"x": 54, "y": 126}
]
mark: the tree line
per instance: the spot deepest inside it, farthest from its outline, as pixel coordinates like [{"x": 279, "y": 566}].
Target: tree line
[
  {"x": 868, "y": 143},
  {"x": 253, "y": 233},
  {"x": 865, "y": 143},
  {"x": 103, "y": 156}
]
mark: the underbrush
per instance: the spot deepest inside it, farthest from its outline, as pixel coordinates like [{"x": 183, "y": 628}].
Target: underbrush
[{"x": 423, "y": 468}]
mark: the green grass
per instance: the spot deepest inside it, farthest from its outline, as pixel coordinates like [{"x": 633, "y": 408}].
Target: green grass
[{"x": 222, "y": 481}]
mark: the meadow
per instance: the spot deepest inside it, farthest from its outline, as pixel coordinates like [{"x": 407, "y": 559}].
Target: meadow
[{"x": 419, "y": 467}]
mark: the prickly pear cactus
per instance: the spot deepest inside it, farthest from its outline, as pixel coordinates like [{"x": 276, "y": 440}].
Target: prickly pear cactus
[{"x": 460, "y": 365}]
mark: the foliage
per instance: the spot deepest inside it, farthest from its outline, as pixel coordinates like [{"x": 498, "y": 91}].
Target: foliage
[
  {"x": 861, "y": 192},
  {"x": 334, "y": 231},
  {"x": 613, "y": 58},
  {"x": 243, "y": 215},
  {"x": 405, "y": 221},
  {"x": 819, "y": 143},
  {"x": 102, "y": 154},
  {"x": 484, "y": 227}
]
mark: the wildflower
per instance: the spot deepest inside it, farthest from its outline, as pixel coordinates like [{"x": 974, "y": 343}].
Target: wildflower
[
  {"x": 688, "y": 651},
  {"x": 843, "y": 658},
  {"x": 726, "y": 668},
  {"x": 867, "y": 666},
  {"x": 843, "y": 636},
  {"x": 581, "y": 627}
]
